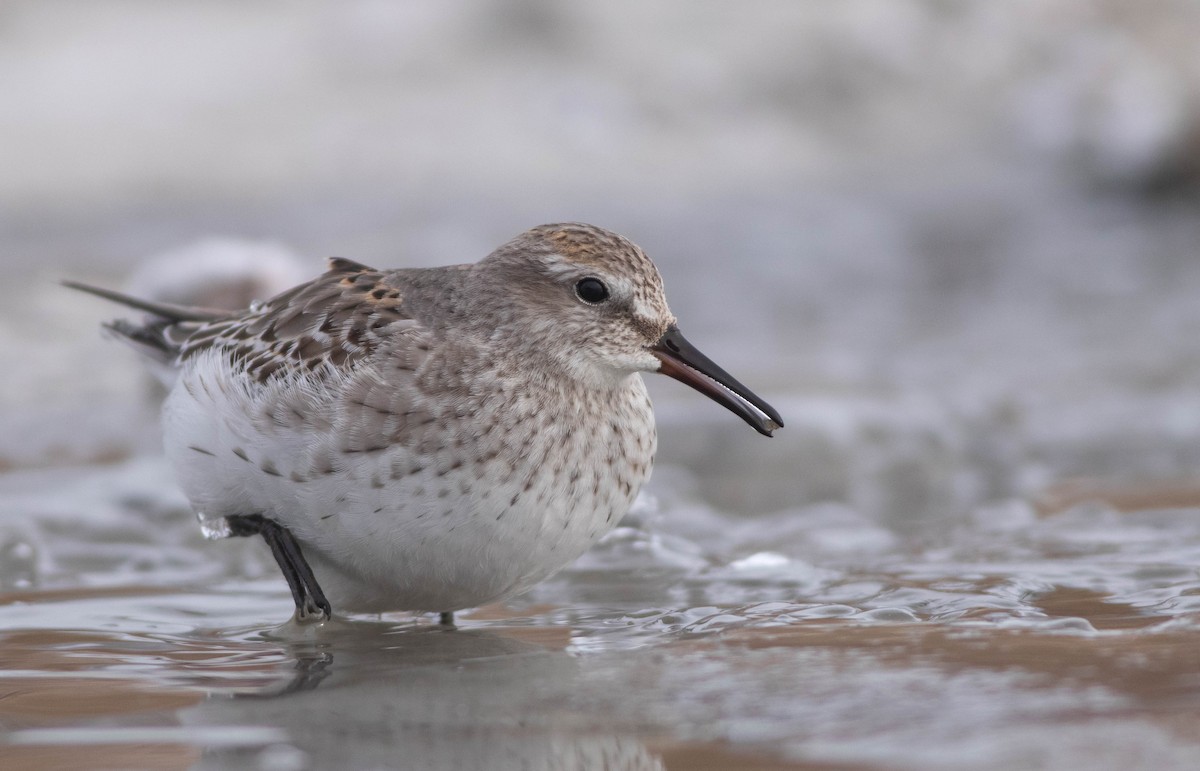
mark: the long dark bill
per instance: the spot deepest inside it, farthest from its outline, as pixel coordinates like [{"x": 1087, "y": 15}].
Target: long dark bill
[{"x": 682, "y": 361}]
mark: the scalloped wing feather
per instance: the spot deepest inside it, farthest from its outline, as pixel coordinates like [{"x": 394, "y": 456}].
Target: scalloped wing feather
[{"x": 330, "y": 323}]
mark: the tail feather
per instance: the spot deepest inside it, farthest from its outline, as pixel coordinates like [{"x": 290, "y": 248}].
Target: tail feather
[
  {"x": 167, "y": 311},
  {"x": 158, "y": 337},
  {"x": 149, "y": 339}
]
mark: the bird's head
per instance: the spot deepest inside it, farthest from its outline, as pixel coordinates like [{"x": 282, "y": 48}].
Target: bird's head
[{"x": 592, "y": 302}]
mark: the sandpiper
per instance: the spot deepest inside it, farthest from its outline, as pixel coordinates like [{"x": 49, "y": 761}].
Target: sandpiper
[{"x": 428, "y": 439}]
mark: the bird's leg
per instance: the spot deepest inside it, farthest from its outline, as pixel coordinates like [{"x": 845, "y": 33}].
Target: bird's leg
[
  {"x": 311, "y": 604},
  {"x": 446, "y": 618}
]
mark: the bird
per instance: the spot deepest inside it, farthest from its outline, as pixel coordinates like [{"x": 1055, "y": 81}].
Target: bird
[{"x": 427, "y": 439}]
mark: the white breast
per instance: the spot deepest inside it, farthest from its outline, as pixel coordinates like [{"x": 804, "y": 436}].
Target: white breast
[{"x": 503, "y": 491}]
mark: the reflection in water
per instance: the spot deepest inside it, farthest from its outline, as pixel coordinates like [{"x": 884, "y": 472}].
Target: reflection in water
[
  {"x": 373, "y": 695},
  {"x": 353, "y": 694}
]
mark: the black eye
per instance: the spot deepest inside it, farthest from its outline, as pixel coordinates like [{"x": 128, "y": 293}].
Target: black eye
[{"x": 591, "y": 290}]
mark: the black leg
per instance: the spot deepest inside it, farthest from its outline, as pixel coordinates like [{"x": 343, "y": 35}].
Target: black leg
[
  {"x": 310, "y": 600},
  {"x": 446, "y": 618}
]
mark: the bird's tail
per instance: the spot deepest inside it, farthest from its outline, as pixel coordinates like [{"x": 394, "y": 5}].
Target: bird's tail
[{"x": 160, "y": 334}]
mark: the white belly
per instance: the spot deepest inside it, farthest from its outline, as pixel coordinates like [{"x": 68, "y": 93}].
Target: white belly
[{"x": 443, "y": 526}]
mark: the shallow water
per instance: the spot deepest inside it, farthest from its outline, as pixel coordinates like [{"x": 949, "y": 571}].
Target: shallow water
[{"x": 813, "y": 638}]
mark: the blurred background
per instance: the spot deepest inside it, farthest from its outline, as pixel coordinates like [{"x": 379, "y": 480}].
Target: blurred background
[{"x": 956, "y": 241}]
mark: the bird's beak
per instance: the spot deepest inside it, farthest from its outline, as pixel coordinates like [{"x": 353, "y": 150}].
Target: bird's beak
[{"x": 682, "y": 361}]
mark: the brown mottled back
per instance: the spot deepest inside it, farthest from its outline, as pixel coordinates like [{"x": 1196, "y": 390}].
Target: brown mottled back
[{"x": 334, "y": 320}]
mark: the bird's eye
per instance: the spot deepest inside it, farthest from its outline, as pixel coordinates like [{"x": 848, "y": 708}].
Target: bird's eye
[{"x": 591, "y": 290}]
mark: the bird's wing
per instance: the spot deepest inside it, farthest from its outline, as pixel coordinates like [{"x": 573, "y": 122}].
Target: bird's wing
[
  {"x": 328, "y": 324},
  {"x": 348, "y": 328}
]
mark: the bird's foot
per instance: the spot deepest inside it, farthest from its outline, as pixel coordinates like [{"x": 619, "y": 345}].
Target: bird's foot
[{"x": 311, "y": 605}]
